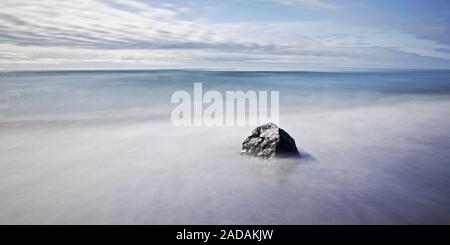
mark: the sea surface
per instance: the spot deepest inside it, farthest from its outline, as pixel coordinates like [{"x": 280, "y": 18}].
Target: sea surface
[{"x": 99, "y": 147}]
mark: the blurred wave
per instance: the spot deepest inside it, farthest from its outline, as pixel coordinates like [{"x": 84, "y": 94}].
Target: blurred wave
[{"x": 99, "y": 148}]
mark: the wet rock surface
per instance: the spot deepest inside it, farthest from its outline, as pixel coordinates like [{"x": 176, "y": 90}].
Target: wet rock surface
[{"x": 269, "y": 141}]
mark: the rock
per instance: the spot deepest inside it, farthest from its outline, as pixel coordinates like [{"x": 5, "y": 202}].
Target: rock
[{"x": 268, "y": 141}]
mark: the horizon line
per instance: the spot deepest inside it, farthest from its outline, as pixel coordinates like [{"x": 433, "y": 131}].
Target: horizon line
[{"x": 7, "y": 70}]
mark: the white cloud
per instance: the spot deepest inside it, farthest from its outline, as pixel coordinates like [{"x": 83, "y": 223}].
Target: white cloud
[
  {"x": 316, "y": 4},
  {"x": 102, "y": 33}
]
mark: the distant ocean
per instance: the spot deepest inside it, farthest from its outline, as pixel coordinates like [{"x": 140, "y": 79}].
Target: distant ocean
[{"x": 98, "y": 147}]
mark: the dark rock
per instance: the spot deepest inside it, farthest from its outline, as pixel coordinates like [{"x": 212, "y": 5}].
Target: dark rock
[{"x": 268, "y": 141}]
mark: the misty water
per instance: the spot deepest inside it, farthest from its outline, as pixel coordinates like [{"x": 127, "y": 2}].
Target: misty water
[{"x": 98, "y": 147}]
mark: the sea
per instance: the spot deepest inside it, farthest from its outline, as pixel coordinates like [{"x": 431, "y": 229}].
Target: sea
[{"x": 99, "y": 147}]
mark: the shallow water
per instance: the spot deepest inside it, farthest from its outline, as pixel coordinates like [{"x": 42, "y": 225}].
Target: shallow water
[{"x": 99, "y": 148}]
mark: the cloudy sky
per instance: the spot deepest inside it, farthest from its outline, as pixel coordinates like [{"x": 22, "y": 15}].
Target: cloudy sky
[{"x": 231, "y": 34}]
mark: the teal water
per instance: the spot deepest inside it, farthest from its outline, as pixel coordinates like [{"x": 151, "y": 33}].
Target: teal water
[
  {"x": 98, "y": 147},
  {"x": 65, "y": 92}
]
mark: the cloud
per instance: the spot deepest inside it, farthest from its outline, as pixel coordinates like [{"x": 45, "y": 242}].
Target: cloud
[
  {"x": 315, "y": 4},
  {"x": 119, "y": 33},
  {"x": 93, "y": 23},
  {"x": 109, "y": 24},
  {"x": 443, "y": 50}
]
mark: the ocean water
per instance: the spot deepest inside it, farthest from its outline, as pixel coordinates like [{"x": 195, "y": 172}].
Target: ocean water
[{"x": 98, "y": 147}]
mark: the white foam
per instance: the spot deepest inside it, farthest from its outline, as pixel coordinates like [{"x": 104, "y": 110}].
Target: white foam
[{"x": 380, "y": 164}]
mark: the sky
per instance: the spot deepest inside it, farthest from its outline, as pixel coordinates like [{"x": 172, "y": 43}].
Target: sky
[{"x": 231, "y": 34}]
